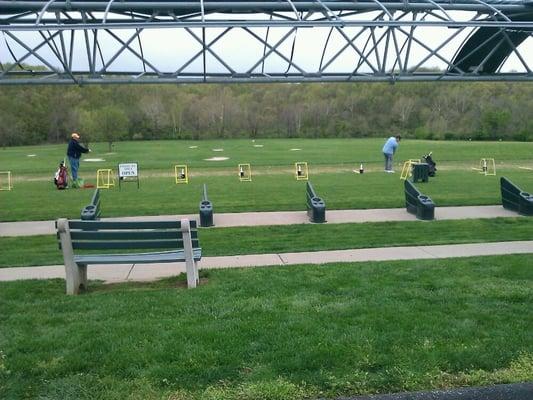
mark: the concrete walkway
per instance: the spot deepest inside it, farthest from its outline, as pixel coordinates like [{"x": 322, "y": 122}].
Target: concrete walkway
[
  {"x": 515, "y": 391},
  {"x": 148, "y": 272},
  {"x": 29, "y": 228}
]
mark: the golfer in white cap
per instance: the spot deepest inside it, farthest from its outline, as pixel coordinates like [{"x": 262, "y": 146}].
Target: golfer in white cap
[{"x": 74, "y": 152}]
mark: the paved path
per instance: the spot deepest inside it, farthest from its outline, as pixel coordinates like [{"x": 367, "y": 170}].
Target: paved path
[
  {"x": 148, "y": 272},
  {"x": 515, "y": 391},
  {"x": 29, "y": 228}
]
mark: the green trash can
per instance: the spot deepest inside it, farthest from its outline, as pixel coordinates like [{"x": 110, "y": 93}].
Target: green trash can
[{"x": 420, "y": 172}]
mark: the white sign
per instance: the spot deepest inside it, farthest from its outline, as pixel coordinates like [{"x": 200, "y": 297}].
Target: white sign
[{"x": 127, "y": 170}]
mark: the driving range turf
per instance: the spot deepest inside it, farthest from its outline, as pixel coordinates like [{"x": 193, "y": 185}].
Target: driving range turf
[{"x": 280, "y": 333}]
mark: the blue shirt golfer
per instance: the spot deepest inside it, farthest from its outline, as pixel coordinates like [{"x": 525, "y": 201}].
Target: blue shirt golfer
[
  {"x": 389, "y": 149},
  {"x": 74, "y": 152}
]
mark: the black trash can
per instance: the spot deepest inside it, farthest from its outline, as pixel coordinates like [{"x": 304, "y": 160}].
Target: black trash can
[
  {"x": 206, "y": 213},
  {"x": 425, "y": 209},
  {"x": 420, "y": 172},
  {"x": 525, "y": 204},
  {"x": 317, "y": 210},
  {"x": 89, "y": 213}
]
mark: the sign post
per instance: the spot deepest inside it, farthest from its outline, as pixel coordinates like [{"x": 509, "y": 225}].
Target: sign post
[{"x": 128, "y": 172}]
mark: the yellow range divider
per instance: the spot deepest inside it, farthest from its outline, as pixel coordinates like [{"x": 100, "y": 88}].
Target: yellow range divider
[
  {"x": 105, "y": 179},
  {"x": 7, "y": 179},
  {"x": 181, "y": 173},
  {"x": 245, "y": 172},
  {"x": 408, "y": 168},
  {"x": 487, "y": 167},
  {"x": 301, "y": 171}
]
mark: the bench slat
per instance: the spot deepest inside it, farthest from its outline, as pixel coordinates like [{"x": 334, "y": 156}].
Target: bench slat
[
  {"x": 128, "y": 235},
  {"x": 94, "y": 225},
  {"x": 138, "y": 258},
  {"x": 139, "y": 244}
]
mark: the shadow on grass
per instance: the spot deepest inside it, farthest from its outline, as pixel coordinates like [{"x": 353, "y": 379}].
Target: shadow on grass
[{"x": 173, "y": 282}]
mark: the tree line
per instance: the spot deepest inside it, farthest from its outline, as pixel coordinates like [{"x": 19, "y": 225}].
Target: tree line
[{"x": 480, "y": 111}]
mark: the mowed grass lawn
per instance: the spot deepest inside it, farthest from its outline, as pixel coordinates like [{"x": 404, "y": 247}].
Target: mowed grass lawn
[
  {"x": 39, "y": 200},
  {"x": 273, "y": 333},
  {"x": 273, "y": 187},
  {"x": 162, "y": 155},
  {"x": 280, "y": 333},
  {"x": 43, "y": 250}
]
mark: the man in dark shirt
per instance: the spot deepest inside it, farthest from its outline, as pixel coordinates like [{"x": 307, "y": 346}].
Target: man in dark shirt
[{"x": 74, "y": 152}]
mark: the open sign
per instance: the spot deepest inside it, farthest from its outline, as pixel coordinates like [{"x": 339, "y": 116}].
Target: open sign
[{"x": 127, "y": 170}]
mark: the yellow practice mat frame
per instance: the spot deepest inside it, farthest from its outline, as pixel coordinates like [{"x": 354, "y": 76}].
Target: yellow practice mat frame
[
  {"x": 487, "y": 166},
  {"x": 301, "y": 171},
  {"x": 105, "y": 179},
  {"x": 245, "y": 172},
  {"x": 7, "y": 179},
  {"x": 181, "y": 173},
  {"x": 407, "y": 168}
]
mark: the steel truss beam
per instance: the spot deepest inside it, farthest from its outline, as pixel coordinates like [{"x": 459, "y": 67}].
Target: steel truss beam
[{"x": 86, "y": 42}]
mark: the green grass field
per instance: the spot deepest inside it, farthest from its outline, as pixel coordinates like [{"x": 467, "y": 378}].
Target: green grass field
[
  {"x": 162, "y": 155},
  {"x": 273, "y": 187},
  {"x": 282, "y": 333},
  {"x": 43, "y": 250}
]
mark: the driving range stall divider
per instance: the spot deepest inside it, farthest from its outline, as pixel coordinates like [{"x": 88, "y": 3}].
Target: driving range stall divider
[
  {"x": 5, "y": 180},
  {"x": 206, "y": 210},
  {"x": 316, "y": 207},
  {"x": 128, "y": 172},
  {"x": 417, "y": 203},
  {"x": 245, "y": 172},
  {"x": 514, "y": 199},
  {"x": 181, "y": 173},
  {"x": 301, "y": 171},
  {"x": 179, "y": 238},
  {"x": 91, "y": 211},
  {"x": 420, "y": 172},
  {"x": 105, "y": 179}
]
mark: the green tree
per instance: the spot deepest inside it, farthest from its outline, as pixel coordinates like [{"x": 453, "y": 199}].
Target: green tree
[{"x": 108, "y": 124}]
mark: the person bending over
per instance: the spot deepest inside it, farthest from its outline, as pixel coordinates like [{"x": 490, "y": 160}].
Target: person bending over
[{"x": 389, "y": 149}]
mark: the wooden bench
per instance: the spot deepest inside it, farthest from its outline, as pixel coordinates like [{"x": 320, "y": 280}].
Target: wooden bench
[
  {"x": 91, "y": 211},
  {"x": 514, "y": 199},
  {"x": 417, "y": 203},
  {"x": 181, "y": 237},
  {"x": 316, "y": 207}
]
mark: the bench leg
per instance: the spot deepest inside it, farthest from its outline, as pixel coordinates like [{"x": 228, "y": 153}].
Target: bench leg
[
  {"x": 190, "y": 263},
  {"x": 72, "y": 276},
  {"x": 72, "y": 272},
  {"x": 192, "y": 273},
  {"x": 196, "y": 277},
  {"x": 82, "y": 269}
]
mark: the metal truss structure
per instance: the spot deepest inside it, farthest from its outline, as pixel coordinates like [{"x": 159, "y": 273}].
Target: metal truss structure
[{"x": 133, "y": 41}]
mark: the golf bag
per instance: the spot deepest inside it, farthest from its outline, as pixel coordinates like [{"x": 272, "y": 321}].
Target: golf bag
[
  {"x": 432, "y": 164},
  {"x": 61, "y": 177}
]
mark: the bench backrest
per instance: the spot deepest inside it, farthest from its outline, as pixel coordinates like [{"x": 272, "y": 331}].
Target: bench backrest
[{"x": 110, "y": 235}]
